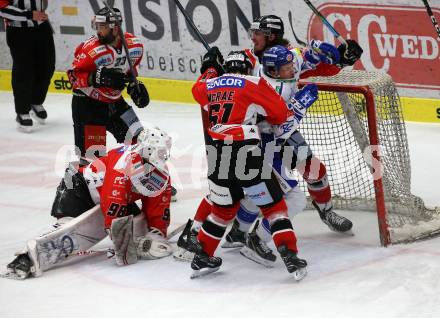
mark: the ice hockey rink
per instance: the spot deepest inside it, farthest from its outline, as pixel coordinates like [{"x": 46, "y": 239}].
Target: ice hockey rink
[{"x": 348, "y": 276}]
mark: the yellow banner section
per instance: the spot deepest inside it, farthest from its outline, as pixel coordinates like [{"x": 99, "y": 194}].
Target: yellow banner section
[{"x": 414, "y": 109}]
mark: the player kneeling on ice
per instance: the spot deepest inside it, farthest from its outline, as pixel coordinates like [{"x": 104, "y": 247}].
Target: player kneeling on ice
[
  {"x": 99, "y": 199},
  {"x": 234, "y": 101}
]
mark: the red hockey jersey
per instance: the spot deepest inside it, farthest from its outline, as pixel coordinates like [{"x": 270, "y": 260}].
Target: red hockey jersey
[
  {"x": 91, "y": 54},
  {"x": 233, "y": 100},
  {"x": 123, "y": 177}
]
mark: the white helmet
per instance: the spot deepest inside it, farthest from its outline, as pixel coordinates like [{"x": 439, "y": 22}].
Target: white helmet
[{"x": 154, "y": 146}]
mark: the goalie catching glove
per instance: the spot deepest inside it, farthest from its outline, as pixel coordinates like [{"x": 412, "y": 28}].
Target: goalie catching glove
[
  {"x": 139, "y": 96},
  {"x": 299, "y": 104},
  {"x": 153, "y": 245},
  {"x": 108, "y": 77}
]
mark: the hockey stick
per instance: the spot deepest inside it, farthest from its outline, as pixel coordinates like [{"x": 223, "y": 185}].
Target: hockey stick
[
  {"x": 176, "y": 231},
  {"x": 300, "y": 42},
  {"x": 193, "y": 26},
  {"x": 207, "y": 47},
  {"x": 125, "y": 46},
  {"x": 111, "y": 252},
  {"x": 431, "y": 15},
  {"x": 326, "y": 23}
]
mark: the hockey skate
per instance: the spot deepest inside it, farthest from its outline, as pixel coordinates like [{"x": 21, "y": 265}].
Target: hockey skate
[
  {"x": 294, "y": 265},
  {"x": 256, "y": 250},
  {"x": 25, "y": 265},
  {"x": 20, "y": 268},
  {"x": 24, "y": 123},
  {"x": 235, "y": 237},
  {"x": 202, "y": 264},
  {"x": 39, "y": 114},
  {"x": 334, "y": 221},
  {"x": 187, "y": 238}
]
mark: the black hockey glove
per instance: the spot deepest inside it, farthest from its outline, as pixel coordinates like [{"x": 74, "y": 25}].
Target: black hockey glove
[
  {"x": 139, "y": 96},
  {"x": 350, "y": 53},
  {"x": 109, "y": 77},
  {"x": 213, "y": 58}
]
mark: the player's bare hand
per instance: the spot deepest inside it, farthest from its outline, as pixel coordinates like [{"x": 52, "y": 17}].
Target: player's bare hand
[{"x": 39, "y": 16}]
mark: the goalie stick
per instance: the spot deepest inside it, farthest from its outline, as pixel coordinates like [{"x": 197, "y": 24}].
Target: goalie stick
[
  {"x": 431, "y": 15},
  {"x": 111, "y": 252}
]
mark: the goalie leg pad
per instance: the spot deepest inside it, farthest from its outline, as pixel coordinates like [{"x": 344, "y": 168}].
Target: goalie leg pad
[{"x": 122, "y": 237}]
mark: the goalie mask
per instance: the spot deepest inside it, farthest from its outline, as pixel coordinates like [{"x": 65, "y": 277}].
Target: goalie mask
[
  {"x": 280, "y": 63},
  {"x": 154, "y": 146},
  {"x": 238, "y": 62}
]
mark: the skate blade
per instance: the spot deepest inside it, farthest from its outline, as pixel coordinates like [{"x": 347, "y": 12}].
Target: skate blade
[
  {"x": 183, "y": 255},
  {"x": 250, "y": 254},
  {"x": 39, "y": 120},
  {"x": 25, "y": 129},
  {"x": 346, "y": 233},
  {"x": 227, "y": 244},
  {"x": 299, "y": 274},
  {"x": 203, "y": 272}
]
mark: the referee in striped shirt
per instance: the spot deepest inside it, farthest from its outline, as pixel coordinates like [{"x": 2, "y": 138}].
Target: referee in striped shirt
[{"x": 30, "y": 39}]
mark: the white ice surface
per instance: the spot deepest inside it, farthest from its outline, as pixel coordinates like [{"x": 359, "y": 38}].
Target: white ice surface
[{"x": 348, "y": 276}]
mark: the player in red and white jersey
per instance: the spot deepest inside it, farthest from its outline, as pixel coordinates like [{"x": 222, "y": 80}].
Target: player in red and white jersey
[
  {"x": 114, "y": 182},
  {"x": 319, "y": 59},
  {"x": 99, "y": 73},
  {"x": 268, "y": 30},
  {"x": 234, "y": 103},
  {"x": 124, "y": 176}
]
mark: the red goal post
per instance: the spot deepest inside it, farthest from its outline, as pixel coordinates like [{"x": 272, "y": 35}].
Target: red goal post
[{"x": 357, "y": 129}]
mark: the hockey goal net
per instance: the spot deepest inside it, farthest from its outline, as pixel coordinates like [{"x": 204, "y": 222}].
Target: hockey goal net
[{"x": 357, "y": 129}]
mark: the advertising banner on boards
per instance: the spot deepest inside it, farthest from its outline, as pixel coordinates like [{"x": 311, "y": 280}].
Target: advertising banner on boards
[{"x": 397, "y": 36}]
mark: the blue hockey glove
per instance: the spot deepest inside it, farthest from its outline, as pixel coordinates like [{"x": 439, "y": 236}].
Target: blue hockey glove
[{"x": 322, "y": 52}]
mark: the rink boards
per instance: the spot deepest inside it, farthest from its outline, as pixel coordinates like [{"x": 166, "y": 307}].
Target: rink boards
[{"x": 168, "y": 90}]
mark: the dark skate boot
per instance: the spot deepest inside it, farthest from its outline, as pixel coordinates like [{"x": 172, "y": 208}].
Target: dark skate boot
[
  {"x": 257, "y": 250},
  {"x": 202, "y": 264},
  {"x": 235, "y": 237},
  {"x": 39, "y": 113},
  {"x": 187, "y": 239},
  {"x": 334, "y": 221},
  {"x": 294, "y": 265},
  {"x": 24, "y": 123},
  {"x": 19, "y": 268}
]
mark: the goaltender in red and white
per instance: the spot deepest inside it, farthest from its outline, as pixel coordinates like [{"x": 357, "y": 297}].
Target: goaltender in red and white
[{"x": 102, "y": 194}]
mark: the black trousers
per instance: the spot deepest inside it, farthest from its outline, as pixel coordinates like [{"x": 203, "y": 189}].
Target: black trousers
[
  {"x": 226, "y": 161},
  {"x": 33, "y": 64},
  {"x": 115, "y": 118}
]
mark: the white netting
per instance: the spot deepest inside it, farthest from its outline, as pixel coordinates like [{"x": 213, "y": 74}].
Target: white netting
[{"x": 336, "y": 127}]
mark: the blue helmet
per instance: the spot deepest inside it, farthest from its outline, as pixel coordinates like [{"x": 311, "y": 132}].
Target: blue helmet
[{"x": 275, "y": 57}]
